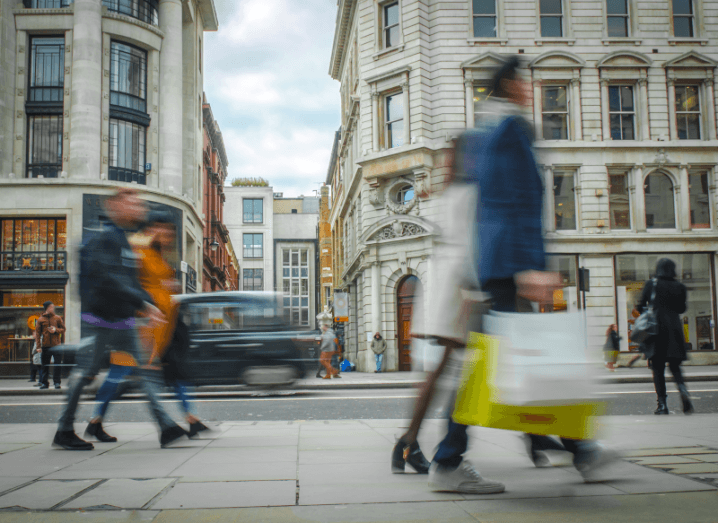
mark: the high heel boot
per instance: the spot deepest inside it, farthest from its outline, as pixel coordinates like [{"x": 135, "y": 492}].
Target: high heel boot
[
  {"x": 411, "y": 454},
  {"x": 662, "y": 407},
  {"x": 686, "y": 399}
]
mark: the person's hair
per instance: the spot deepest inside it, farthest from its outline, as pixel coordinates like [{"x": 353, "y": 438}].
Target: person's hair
[
  {"x": 157, "y": 218},
  {"x": 47, "y": 304},
  {"x": 666, "y": 268},
  {"x": 122, "y": 192},
  {"x": 610, "y": 329},
  {"x": 506, "y": 72}
]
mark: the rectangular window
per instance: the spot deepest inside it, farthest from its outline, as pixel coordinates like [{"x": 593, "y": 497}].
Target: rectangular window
[
  {"x": 619, "y": 201},
  {"x": 390, "y": 24},
  {"x": 700, "y": 201},
  {"x": 47, "y": 69},
  {"x": 555, "y": 112},
  {"x": 252, "y": 245},
  {"x": 683, "y": 21},
  {"x": 621, "y": 112},
  {"x": 44, "y": 146},
  {"x": 394, "y": 126},
  {"x": 481, "y": 94},
  {"x": 688, "y": 112},
  {"x": 485, "y": 18},
  {"x": 565, "y": 298},
  {"x": 617, "y": 18},
  {"x": 127, "y": 151},
  {"x": 564, "y": 201},
  {"x": 551, "y": 18},
  {"x": 252, "y": 210},
  {"x": 46, "y": 4},
  {"x": 295, "y": 285},
  {"x": 33, "y": 244},
  {"x": 253, "y": 280},
  {"x": 128, "y": 77}
]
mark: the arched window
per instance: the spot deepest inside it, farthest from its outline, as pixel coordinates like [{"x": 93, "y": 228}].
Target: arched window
[{"x": 660, "y": 202}]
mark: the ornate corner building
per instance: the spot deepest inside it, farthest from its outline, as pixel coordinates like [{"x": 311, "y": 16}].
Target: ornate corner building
[
  {"x": 624, "y": 111},
  {"x": 94, "y": 95}
]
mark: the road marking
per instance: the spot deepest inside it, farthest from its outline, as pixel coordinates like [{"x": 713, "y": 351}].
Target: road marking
[{"x": 653, "y": 391}]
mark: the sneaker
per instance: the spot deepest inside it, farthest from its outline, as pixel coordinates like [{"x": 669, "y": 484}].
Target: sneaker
[
  {"x": 195, "y": 428},
  {"x": 57, "y": 386},
  {"x": 44, "y": 386},
  {"x": 96, "y": 431},
  {"x": 171, "y": 435},
  {"x": 68, "y": 440},
  {"x": 464, "y": 479},
  {"x": 593, "y": 468}
]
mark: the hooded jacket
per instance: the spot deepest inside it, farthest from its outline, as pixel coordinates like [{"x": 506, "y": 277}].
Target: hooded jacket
[{"x": 378, "y": 346}]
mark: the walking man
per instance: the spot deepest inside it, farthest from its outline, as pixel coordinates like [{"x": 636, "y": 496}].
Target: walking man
[
  {"x": 48, "y": 335},
  {"x": 111, "y": 297},
  {"x": 378, "y": 346}
]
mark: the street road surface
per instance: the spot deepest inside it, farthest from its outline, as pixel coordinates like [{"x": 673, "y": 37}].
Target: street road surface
[{"x": 626, "y": 399}]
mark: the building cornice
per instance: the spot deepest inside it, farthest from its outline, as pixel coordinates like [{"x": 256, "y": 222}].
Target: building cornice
[
  {"x": 207, "y": 11},
  {"x": 341, "y": 34}
]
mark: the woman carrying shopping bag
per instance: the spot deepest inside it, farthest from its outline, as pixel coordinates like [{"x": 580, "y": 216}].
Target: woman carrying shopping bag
[
  {"x": 612, "y": 347},
  {"x": 668, "y": 298}
]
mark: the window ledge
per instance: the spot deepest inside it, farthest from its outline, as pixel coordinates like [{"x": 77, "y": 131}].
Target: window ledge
[
  {"x": 492, "y": 40},
  {"x": 621, "y": 40},
  {"x": 556, "y": 40},
  {"x": 385, "y": 52},
  {"x": 694, "y": 40}
]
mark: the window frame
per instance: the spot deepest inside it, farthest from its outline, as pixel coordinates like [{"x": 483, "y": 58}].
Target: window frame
[
  {"x": 120, "y": 173},
  {"x": 621, "y": 114},
  {"x": 55, "y": 259},
  {"x": 572, "y": 173},
  {"x": 676, "y": 202},
  {"x": 380, "y": 49},
  {"x": 399, "y": 94},
  {"x": 261, "y": 206},
  {"x": 474, "y": 16},
  {"x": 628, "y": 20},
  {"x": 32, "y": 71},
  {"x": 709, "y": 174},
  {"x": 569, "y": 124},
  {"x": 562, "y": 18},
  {"x": 627, "y": 174},
  {"x": 691, "y": 16},
  {"x": 115, "y": 77},
  {"x": 500, "y": 30},
  {"x": 252, "y": 246},
  {"x": 386, "y": 27},
  {"x": 253, "y": 278},
  {"x": 700, "y": 112}
]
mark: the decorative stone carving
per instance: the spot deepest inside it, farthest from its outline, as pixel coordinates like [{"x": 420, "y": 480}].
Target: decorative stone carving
[
  {"x": 106, "y": 73},
  {"x": 18, "y": 137},
  {"x": 67, "y": 70},
  {"x": 392, "y": 192},
  {"x": 21, "y": 92},
  {"x": 399, "y": 229},
  {"x": 68, "y": 49},
  {"x": 661, "y": 157},
  {"x": 67, "y": 91},
  {"x": 20, "y": 70},
  {"x": 19, "y": 114},
  {"x": 21, "y": 49},
  {"x": 154, "y": 108},
  {"x": 105, "y": 138},
  {"x": 375, "y": 196}
]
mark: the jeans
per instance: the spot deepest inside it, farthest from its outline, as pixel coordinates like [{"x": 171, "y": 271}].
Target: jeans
[
  {"x": 379, "y": 360},
  {"x": 658, "y": 366},
  {"x": 56, "y": 354},
  {"x": 92, "y": 353}
]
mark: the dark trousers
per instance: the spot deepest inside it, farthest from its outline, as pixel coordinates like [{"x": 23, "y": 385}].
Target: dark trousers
[
  {"x": 34, "y": 370},
  {"x": 56, "y": 354},
  {"x": 658, "y": 365}
]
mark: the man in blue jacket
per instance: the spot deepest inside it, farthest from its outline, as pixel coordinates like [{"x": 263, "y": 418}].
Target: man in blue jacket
[{"x": 111, "y": 297}]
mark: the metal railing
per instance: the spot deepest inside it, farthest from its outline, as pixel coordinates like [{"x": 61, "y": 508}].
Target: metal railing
[
  {"x": 142, "y": 10},
  {"x": 46, "y": 4},
  {"x": 129, "y": 101},
  {"x": 46, "y": 170},
  {"x": 45, "y": 94},
  {"x": 33, "y": 261},
  {"x": 117, "y": 174}
]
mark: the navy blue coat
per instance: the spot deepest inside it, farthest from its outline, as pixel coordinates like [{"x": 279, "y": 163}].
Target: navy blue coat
[{"x": 501, "y": 162}]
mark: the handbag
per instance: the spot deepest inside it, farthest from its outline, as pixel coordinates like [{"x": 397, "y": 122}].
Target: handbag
[{"x": 646, "y": 324}]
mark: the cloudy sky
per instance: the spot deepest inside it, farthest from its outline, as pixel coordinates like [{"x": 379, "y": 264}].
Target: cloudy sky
[{"x": 266, "y": 79}]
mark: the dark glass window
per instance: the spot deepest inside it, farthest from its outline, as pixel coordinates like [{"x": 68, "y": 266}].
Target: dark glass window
[
  {"x": 555, "y": 112},
  {"x": 128, "y": 77},
  {"x": 564, "y": 201},
  {"x": 621, "y": 112},
  {"x": 33, "y": 244},
  {"x": 683, "y": 21},
  {"x": 44, "y": 146},
  {"x": 252, "y": 245},
  {"x": 700, "y": 201},
  {"x": 143, "y": 10},
  {"x": 485, "y": 18},
  {"x": 127, "y": 151},
  {"x": 394, "y": 127},
  {"x": 617, "y": 19},
  {"x": 253, "y": 279},
  {"x": 252, "y": 210},
  {"x": 391, "y": 24},
  {"x": 46, "y": 4},
  {"x": 660, "y": 202},
  {"x": 619, "y": 202},
  {"x": 688, "y": 112},
  {"x": 551, "y": 18},
  {"x": 47, "y": 69}
]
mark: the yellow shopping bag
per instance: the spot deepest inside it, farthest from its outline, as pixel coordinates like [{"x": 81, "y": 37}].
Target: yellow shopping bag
[{"x": 477, "y": 404}]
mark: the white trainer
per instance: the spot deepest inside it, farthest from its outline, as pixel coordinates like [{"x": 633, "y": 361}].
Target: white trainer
[
  {"x": 598, "y": 468},
  {"x": 464, "y": 479}
]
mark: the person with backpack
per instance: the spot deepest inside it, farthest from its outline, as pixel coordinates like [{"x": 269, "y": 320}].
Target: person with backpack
[{"x": 112, "y": 298}]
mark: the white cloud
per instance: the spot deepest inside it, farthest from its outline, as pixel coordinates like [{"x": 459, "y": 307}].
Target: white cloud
[{"x": 266, "y": 79}]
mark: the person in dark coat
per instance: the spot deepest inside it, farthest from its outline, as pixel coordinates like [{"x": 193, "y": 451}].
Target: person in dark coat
[
  {"x": 669, "y": 345},
  {"x": 612, "y": 347}
]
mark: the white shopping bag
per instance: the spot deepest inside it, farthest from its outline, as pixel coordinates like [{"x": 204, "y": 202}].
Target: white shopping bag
[
  {"x": 543, "y": 359},
  {"x": 426, "y": 354}
]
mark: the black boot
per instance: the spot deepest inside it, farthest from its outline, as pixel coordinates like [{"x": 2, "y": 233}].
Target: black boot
[
  {"x": 195, "y": 428},
  {"x": 96, "y": 431},
  {"x": 686, "y": 399},
  {"x": 68, "y": 440},
  {"x": 411, "y": 454},
  {"x": 662, "y": 407},
  {"x": 170, "y": 435}
]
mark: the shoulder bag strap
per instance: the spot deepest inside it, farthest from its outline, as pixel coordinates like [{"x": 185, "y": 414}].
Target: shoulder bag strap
[{"x": 653, "y": 293}]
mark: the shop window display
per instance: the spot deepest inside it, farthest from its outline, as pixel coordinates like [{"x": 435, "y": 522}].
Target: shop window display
[
  {"x": 566, "y": 298},
  {"x": 693, "y": 270},
  {"x": 19, "y": 311}
]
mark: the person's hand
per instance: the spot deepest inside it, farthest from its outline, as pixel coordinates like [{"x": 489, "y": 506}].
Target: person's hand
[
  {"x": 537, "y": 286},
  {"x": 153, "y": 314},
  {"x": 52, "y": 329},
  {"x": 39, "y": 351}
]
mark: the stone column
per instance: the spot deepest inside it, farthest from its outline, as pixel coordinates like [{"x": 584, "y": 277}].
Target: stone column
[
  {"x": 469, "y": 90},
  {"x": 538, "y": 119},
  {"x": 375, "y": 121},
  {"x": 170, "y": 153},
  {"x": 639, "y": 201},
  {"x": 407, "y": 112},
  {"x": 710, "y": 109},
  {"x": 576, "y": 95},
  {"x": 645, "y": 114},
  {"x": 376, "y": 297},
  {"x": 86, "y": 109},
  {"x": 672, "y": 109},
  {"x": 683, "y": 200},
  {"x": 605, "y": 117},
  {"x": 549, "y": 217}
]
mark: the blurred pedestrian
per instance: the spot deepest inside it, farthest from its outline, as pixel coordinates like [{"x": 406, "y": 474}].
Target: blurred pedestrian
[
  {"x": 612, "y": 347},
  {"x": 328, "y": 348},
  {"x": 669, "y": 345},
  {"x": 36, "y": 364},
  {"x": 111, "y": 297},
  {"x": 378, "y": 346},
  {"x": 48, "y": 334}
]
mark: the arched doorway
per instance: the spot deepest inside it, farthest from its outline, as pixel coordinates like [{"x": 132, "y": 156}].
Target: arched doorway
[{"x": 407, "y": 289}]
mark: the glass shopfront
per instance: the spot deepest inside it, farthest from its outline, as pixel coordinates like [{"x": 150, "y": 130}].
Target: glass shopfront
[
  {"x": 566, "y": 298},
  {"x": 693, "y": 270},
  {"x": 19, "y": 310}
]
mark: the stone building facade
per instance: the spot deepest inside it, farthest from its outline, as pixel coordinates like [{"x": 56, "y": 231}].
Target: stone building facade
[
  {"x": 625, "y": 115},
  {"x": 326, "y": 278},
  {"x": 94, "y": 95}
]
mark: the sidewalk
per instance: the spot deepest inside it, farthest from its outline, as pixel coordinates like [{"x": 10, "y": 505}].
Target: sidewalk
[
  {"x": 386, "y": 380},
  {"x": 322, "y": 471}
]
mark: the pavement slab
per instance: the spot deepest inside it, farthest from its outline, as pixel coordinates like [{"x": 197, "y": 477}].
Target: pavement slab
[
  {"x": 43, "y": 495},
  {"x": 9, "y": 483},
  {"x": 229, "y": 494},
  {"x": 121, "y": 493},
  {"x": 693, "y": 468},
  {"x": 9, "y": 447},
  {"x": 114, "y": 516},
  {"x": 663, "y": 460}
]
